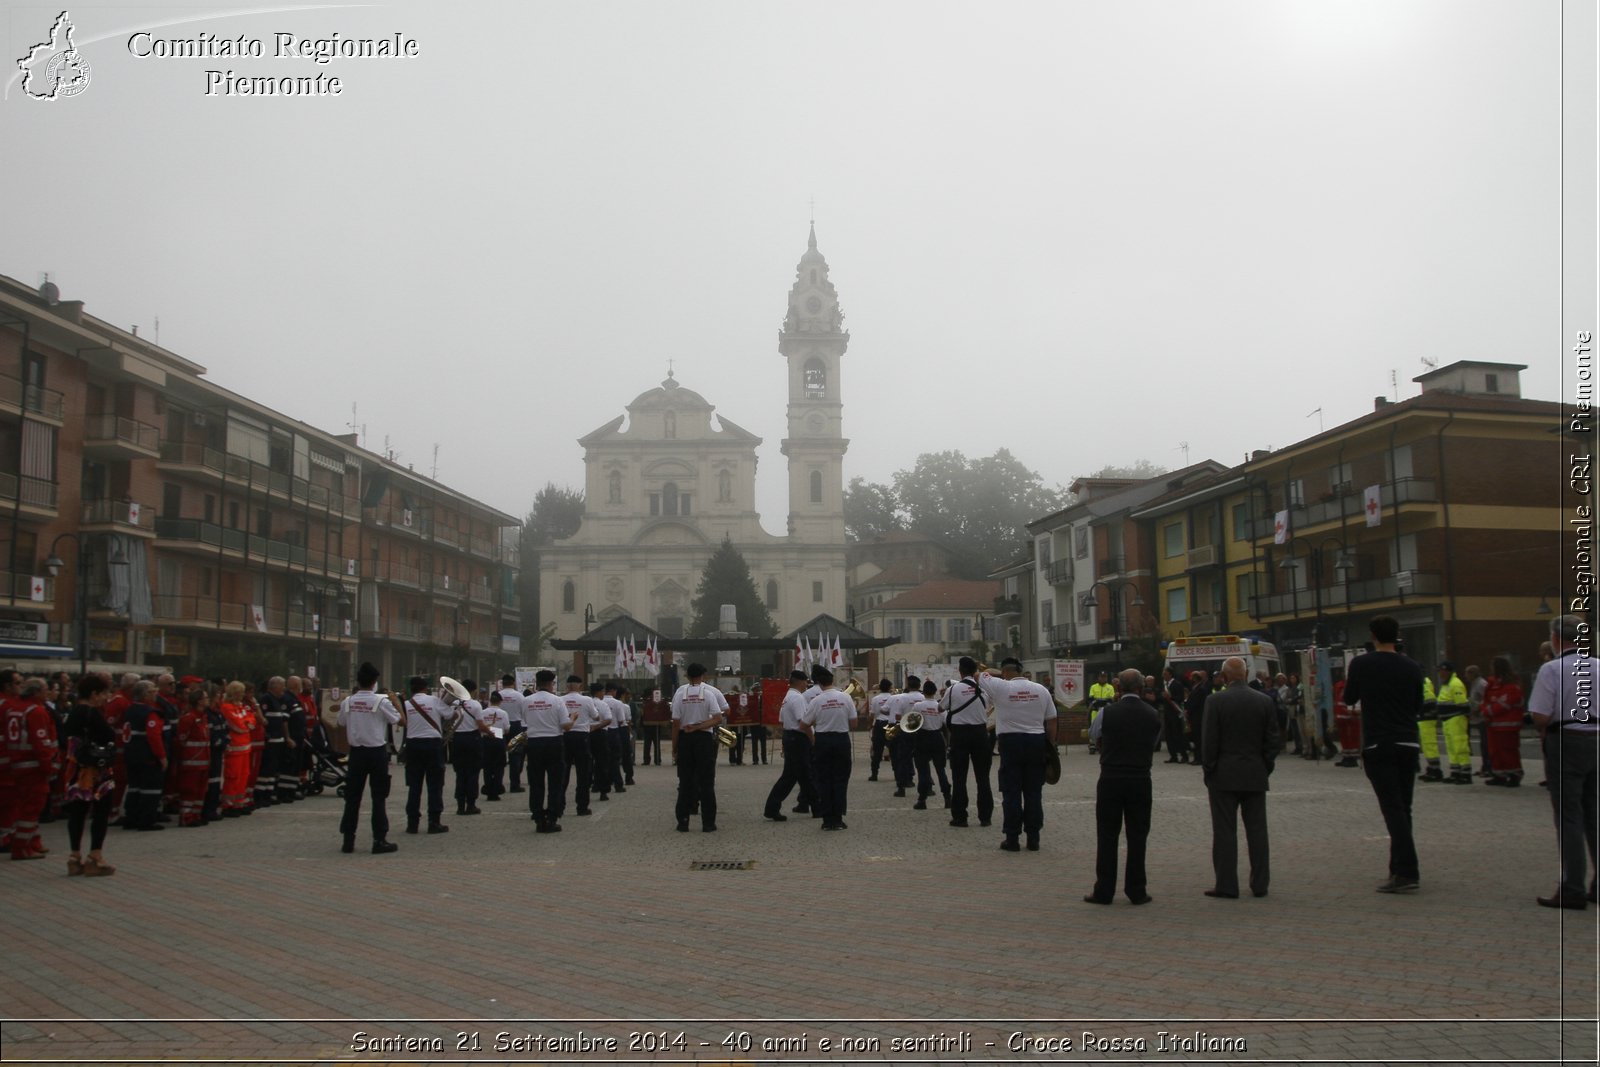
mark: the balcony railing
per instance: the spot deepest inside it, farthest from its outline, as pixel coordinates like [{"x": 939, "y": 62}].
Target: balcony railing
[
  {"x": 102, "y": 428},
  {"x": 1007, "y": 605},
  {"x": 1419, "y": 583},
  {"x": 184, "y": 609},
  {"x": 485, "y": 643},
  {"x": 123, "y": 514},
  {"x": 1202, "y": 556},
  {"x": 390, "y": 571},
  {"x": 31, "y": 398},
  {"x": 256, "y": 546},
  {"x": 1210, "y": 623},
  {"x": 31, "y": 492},
  {"x": 1059, "y": 572},
  {"x": 21, "y": 587},
  {"x": 1060, "y": 635},
  {"x": 1346, "y": 505},
  {"x": 240, "y": 471},
  {"x": 1110, "y": 565}
]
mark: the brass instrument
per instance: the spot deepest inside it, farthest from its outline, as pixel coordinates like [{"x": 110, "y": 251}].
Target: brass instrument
[
  {"x": 515, "y": 744},
  {"x": 911, "y": 722},
  {"x": 891, "y": 731},
  {"x": 726, "y": 737},
  {"x": 457, "y": 691}
]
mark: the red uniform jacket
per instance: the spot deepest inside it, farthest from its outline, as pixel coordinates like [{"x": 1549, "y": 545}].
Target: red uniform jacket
[{"x": 30, "y": 740}]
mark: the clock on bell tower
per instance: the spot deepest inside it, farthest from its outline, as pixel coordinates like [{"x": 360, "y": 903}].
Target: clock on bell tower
[{"x": 813, "y": 340}]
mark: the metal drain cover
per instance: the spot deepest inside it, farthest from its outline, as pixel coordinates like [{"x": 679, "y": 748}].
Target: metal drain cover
[{"x": 721, "y": 865}]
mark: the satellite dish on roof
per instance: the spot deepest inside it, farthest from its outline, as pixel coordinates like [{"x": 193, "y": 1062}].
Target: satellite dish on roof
[{"x": 49, "y": 293}]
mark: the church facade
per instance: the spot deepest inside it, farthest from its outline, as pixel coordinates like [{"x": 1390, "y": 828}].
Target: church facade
[{"x": 665, "y": 483}]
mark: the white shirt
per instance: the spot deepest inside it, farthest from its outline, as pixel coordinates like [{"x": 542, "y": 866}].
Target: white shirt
[
  {"x": 879, "y": 706},
  {"x": 695, "y": 703},
  {"x": 364, "y": 715},
  {"x": 417, "y": 727},
  {"x": 617, "y": 710},
  {"x": 495, "y": 715},
  {"x": 545, "y": 714},
  {"x": 900, "y": 703},
  {"x": 581, "y": 705},
  {"x": 973, "y": 714},
  {"x": 511, "y": 701},
  {"x": 811, "y": 693},
  {"x": 471, "y": 713},
  {"x": 1021, "y": 706},
  {"x": 932, "y": 717},
  {"x": 830, "y": 712},
  {"x": 1564, "y": 691},
  {"x": 794, "y": 703}
]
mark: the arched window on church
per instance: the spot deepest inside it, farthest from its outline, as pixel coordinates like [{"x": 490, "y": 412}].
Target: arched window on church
[
  {"x": 725, "y": 487},
  {"x": 772, "y": 593},
  {"x": 616, "y": 487},
  {"x": 670, "y": 424},
  {"x": 569, "y": 596},
  {"x": 669, "y": 498},
  {"x": 816, "y": 487},
  {"x": 816, "y": 374}
]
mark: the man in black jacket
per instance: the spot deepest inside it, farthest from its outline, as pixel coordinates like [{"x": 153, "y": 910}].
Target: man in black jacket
[
  {"x": 1128, "y": 731},
  {"x": 1388, "y": 686},
  {"x": 1241, "y": 744}
]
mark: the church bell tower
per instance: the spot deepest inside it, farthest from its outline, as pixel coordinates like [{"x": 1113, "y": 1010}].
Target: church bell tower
[{"x": 813, "y": 339}]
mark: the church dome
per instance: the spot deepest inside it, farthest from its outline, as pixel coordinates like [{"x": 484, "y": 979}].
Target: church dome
[{"x": 669, "y": 394}]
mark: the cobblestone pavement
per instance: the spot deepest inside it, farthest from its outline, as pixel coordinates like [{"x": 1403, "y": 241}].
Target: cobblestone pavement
[{"x": 256, "y": 940}]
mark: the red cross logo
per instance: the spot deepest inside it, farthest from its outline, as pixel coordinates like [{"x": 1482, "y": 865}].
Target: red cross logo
[
  {"x": 1068, "y": 685},
  {"x": 1277, "y": 527},
  {"x": 1372, "y": 507}
]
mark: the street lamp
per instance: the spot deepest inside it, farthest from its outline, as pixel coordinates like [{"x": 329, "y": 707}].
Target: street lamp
[
  {"x": 53, "y": 563},
  {"x": 1115, "y": 588},
  {"x": 1544, "y": 601},
  {"x": 588, "y": 618},
  {"x": 1342, "y": 566}
]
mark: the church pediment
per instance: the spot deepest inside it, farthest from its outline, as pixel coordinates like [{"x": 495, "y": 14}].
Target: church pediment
[
  {"x": 669, "y": 468},
  {"x": 670, "y": 532}
]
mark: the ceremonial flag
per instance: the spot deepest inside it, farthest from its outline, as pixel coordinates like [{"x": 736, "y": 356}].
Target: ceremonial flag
[
  {"x": 838, "y": 653},
  {"x": 805, "y": 656},
  {"x": 1280, "y": 528},
  {"x": 799, "y": 653},
  {"x": 258, "y": 617},
  {"x": 633, "y": 654},
  {"x": 36, "y": 588},
  {"x": 618, "y": 666},
  {"x": 1373, "y": 505},
  {"x": 650, "y": 653}
]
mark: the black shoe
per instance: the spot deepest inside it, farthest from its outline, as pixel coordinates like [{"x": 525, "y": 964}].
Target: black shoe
[
  {"x": 543, "y": 827},
  {"x": 872, "y": 777},
  {"x": 411, "y": 827},
  {"x": 518, "y": 789},
  {"x": 709, "y": 828},
  {"x": 983, "y": 822},
  {"x": 493, "y": 799},
  {"x": 839, "y": 823},
  {"x": 830, "y": 826},
  {"x": 959, "y": 822},
  {"x": 618, "y": 789},
  {"x": 438, "y": 828},
  {"x": 628, "y": 781},
  {"x": 1033, "y": 844},
  {"x": 148, "y": 827},
  {"x": 584, "y": 811},
  {"x": 1561, "y": 900},
  {"x": 1220, "y": 894},
  {"x": 473, "y": 809},
  {"x": 349, "y": 843},
  {"x": 775, "y": 816},
  {"x": 899, "y": 792},
  {"x": 380, "y": 848},
  {"x": 1010, "y": 845},
  {"x": 1092, "y": 899},
  {"x": 683, "y": 826},
  {"x": 1174, "y": 759},
  {"x": 801, "y": 809},
  {"x": 1399, "y": 885},
  {"x": 920, "y": 805},
  {"x": 1258, "y": 892},
  {"x": 1147, "y": 898}
]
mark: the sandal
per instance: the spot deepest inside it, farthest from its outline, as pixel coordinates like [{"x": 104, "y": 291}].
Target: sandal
[
  {"x": 74, "y": 866},
  {"x": 93, "y": 868}
]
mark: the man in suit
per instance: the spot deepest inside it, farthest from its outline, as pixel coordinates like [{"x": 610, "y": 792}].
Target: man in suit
[
  {"x": 1128, "y": 731},
  {"x": 1240, "y": 739}
]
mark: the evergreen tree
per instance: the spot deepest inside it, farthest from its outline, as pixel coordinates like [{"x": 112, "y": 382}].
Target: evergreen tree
[
  {"x": 557, "y": 513},
  {"x": 726, "y": 580}
]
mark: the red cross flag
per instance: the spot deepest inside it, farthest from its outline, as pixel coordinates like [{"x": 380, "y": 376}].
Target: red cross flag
[
  {"x": 1373, "y": 505},
  {"x": 1280, "y": 528},
  {"x": 36, "y": 588}
]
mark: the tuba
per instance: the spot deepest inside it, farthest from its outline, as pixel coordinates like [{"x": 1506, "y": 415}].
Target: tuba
[
  {"x": 454, "y": 690},
  {"x": 726, "y": 737},
  {"x": 911, "y": 722},
  {"x": 514, "y": 745}
]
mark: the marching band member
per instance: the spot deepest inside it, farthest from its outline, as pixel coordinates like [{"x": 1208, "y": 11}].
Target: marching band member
[
  {"x": 546, "y": 720},
  {"x": 466, "y": 751},
  {"x": 900, "y": 747},
  {"x": 424, "y": 749},
  {"x": 796, "y": 754},
  {"x": 616, "y": 700},
  {"x": 1025, "y": 723},
  {"x": 882, "y": 716},
  {"x": 927, "y": 745},
  {"x": 366, "y": 717},
  {"x": 967, "y": 711},
  {"x": 827, "y": 719},
  {"x": 697, "y": 710},
  {"x": 494, "y": 748},
  {"x": 580, "y": 748},
  {"x": 511, "y": 703},
  {"x": 602, "y": 756}
]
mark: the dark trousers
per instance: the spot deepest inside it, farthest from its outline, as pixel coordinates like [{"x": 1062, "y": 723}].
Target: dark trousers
[
  {"x": 1392, "y": 770},
  {"x": 97, "y": 814},
  {"x": 1226, "y": 806},
  {"x": 267, "y": 777},
  {"x": 367, "y": 770},
  {"x": 494, "y": 766},
  {"x": 625, "y": 740},
  {"x": 970, "y": 745},
  {"x": 1022, "y": 760},
  {"x": 697, "y": 776},
  {"x": 796, "y": 771},
  {"x": 1482, "y": 730},
  {"x": 614, "y": 757},
  {"x": 927, "y": 746},
  {"x": 424, "y": 766},
  {"x": 758, "y": 744},
  {"x": 1177, "y": 740},
  {"x": 878, "y": 745},
  {"x": 1121, "y": 804},
  {"x": 601, "y": 768},
  {"x": 547, "y": 777},
  {"x": 579, "y": 768},
  {"x": 1570, "y": 760},
  {"x": 518, "y": 758},
  {"x": 900, "y": 759},
  {"x": 830, "y": 760},
  {"x": 466, "y": 758},
  {"x": 212, "y": 808},
  {"x": 652, "y": 743},
  {"x": 141, "y": 805}
]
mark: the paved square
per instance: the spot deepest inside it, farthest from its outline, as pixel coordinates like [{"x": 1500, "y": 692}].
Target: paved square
[{"x": 256, "y": 940}]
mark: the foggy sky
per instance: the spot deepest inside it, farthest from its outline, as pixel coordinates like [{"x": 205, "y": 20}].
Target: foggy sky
[{"x": 1087, "y": 232}]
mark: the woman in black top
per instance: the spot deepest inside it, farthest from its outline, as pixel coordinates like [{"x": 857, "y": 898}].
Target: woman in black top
[{"x": 91, "y": 745}]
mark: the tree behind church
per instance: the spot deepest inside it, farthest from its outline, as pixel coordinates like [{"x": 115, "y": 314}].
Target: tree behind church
[
  {"x": 557, "y": 513},
  {"x": 726, "y": 580}
]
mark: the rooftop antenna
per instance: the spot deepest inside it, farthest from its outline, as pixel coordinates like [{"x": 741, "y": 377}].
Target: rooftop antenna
[
  {"x": 434, "y": 473},
  {"x": 356, "y": 427},
  {"x": 158, "y": 329},
  {"x": 1318, "y": 414},
  {"x": 1183, "y": 446},
  {"x": 1394, "y": 383}
]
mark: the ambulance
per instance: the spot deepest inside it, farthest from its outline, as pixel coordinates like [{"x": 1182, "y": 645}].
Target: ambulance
[{"x": 1186, "y": 654}]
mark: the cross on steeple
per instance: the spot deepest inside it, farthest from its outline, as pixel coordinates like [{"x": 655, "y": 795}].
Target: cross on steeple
[{"x": 813, "y": 211}]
